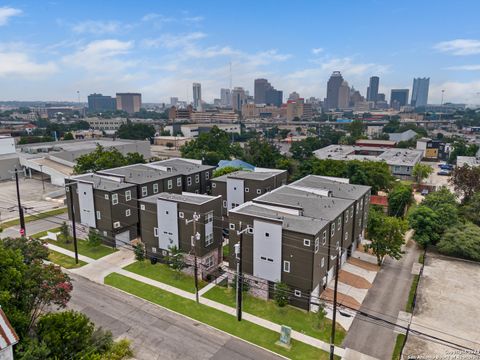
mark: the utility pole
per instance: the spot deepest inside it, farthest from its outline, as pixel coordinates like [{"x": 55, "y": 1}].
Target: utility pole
[
  {"x": 41, "y": 174},
  {"x": 195, "y": 237},
  {"x": 334, "y": 317},
  {"x": 238, "y": 254},
  {"x": 20, "y": 208},
  {"x": 74, "y": 230}
]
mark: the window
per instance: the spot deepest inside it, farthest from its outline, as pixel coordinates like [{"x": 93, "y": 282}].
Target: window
[
  {"x": 128, "y": 195},
  {"x": 114, "y": 199},
  {"x": 209, "y": 262},
  {"x": 189, "y": 181},
  {"x": 155, "y": 232},
  {"x": 346, "y": 235},
  {"x": 317, "y": 245},
  {"x": 234, "y": 205},
  {"x": 169, "y": 184},
  {"x": 98, "y": 215},
  {"x": 144, "y": 191},
  {"x": 259, "y": 191},
  {"x": 225, "y": 203},
  {"x": 267, "y": 235},
  {"x": 286, "y": 266},
  {"x": 67, "y": 188},
  {"x": 298, "y": 293},
  {"x": 324, "y": 238},
  {"x": 247, "y": 189},
  {"x": 128, "y": 212},
  {"x": 337, "y": 245},
  {"x": 208, "y": 239},
  {"x": 197, "y": 178},
  {"x": 154, "y": 250},
  {"x": 105, "y": 233},
  {"x": 209, "y": 217},
  {"x": 351, "y": 212},
  {"x": 207, "y": 175},
  {"x": 358, "y": 206},
  {"x": 181, "y": 215},
  {"x": 322, "y": 263},
  {"x": 346, "y": 217},
  {"x": 231, "y": 226},
  {"x": 332, "y": 231},
  {"x": 179, "y": 181},
  {"x": 361, "y": 203},
  {"x": 339, "y": 222},
  {"x": 155, "y": 187},
  {"x": 142, "y": 207},
  {"x": 250, "y": 230},
  {"x": 306, "y": 242},
  {"x": 214, "y": 185},
  {"x": 116, "y": 224}
]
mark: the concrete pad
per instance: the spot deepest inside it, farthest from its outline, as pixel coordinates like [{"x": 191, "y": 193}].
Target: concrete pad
[
  {"x": 342, "y": 299},
  {"x": 367, "y": 265},
  {"x": 357, "y": 294},
  {"x": 366, "y": 274},
  {"x": 351, "y": 354},
  {"x": 416, "y": 268},
  {"x": 353, "y": 280},
  {"x": 403, "y": 320}
]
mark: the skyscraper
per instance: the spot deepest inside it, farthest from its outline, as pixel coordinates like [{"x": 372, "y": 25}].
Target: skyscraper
[
  {"x": 129, "y": 102},
  {"x": 265, "y": 93},
  {"x": 197, "y": 96},
  {"x": 238, "y": 98},
  {"x": 333, "y": 88},
  {"x": 99, "y": 102},
  {"x": 173, "y": 101},
  {"x": 344, "y": 95},
  {"x": 225, "y": 97},
  {"x": 398, "y": 98},
  {"x": 420, "y": 92},
  {"x": 372, "y": 90}
]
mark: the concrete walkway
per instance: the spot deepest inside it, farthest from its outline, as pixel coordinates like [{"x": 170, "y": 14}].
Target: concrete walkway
[
  {"x": 212, "y": 284},
  {"x": 69, "y": 253}
]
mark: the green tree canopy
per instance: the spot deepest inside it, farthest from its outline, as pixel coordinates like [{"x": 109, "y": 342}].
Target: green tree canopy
[
  {"x": 470, "y": 209},
  {"x": 135, "y": 131},
  {"x": 399, "y": 198},
  {"x": 465, "y": 181},
  {"x": 462, "y": 241},
  {"x": 426, "y": 224},
  {"x": 261, "y": 153},
  {"x": 226, "y": 170},
  {"x": 68, "y": 136},
  {"x": 421, "y": 172},
  {"x": 461, "y": 148}
]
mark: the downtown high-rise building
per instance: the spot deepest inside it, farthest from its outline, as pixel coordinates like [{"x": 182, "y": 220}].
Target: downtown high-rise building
[
  {"x": 333, "y": 90},
  {"x": 173, "y": 101},
  {"x": 197, "y": 96},
  {"x": 420, "y": 92},
  {"x": 398, "y": 98},
  {"x": 129, "y": 102},
  {"x": 265, "y": 93},
  {"x": 372, "y": 89},
  {"x": 99, "y": 103},
  {"x": 344, "y": 96},
  {"x": 226, "y": 97},
  {"x": 239, "y": 98}
]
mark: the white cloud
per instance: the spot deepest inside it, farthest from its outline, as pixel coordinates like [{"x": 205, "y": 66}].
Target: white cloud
[
  {"x": 6, "y": 13},
  {"x": 102, "y": 55},
  {"x": 317, "y": 51},
  {"x": 194, "y": 19},
  {"x": 459, "y": 47},
  {"x": 474, "y": 67},
  {"x": 96, "y": 27},
  {"x": 455, "y": 91},
  {"x": 174, "y": 41},
  {"x": 20, "y": 64}
]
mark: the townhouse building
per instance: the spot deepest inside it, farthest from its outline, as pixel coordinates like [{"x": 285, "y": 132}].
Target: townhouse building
[
  {"x": 294, "y": 234},
  {"x": 163, "y": 223}
]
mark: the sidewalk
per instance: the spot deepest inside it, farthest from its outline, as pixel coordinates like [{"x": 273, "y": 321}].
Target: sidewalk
[{"x": 69, "y": 253}]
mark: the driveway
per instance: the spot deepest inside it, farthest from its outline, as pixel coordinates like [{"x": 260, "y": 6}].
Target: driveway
[
  {"x": 157, "y": 333},
  {"x": 387, "y": 296}
]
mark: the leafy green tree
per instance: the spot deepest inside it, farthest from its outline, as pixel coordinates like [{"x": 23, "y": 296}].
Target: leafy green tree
[
  {"x": 421, "y": 172},
  {"x": 137, "y": 131},
  {"x": 31, "y": 248},
  {"x": 304, "y": 149},
  {"x": 465, "y": 181},
  {"x": 320, "y": 316},
  {"x": 281, "y": 294},
  {"x": 176, "y": 259},
  {"x": 93, "y": 238},
  {"x": 461, "y": 241},
  {"x": 65, "y": 232},
  {"x": 68, "y": 136},
  {"x": 226, "y": 170},
  {"x": 387, "y": 234},
  {"x": 461, "y": 148},
  {"x": 426, "y": 225},
  {"x": 261, "y": 153},
  {"x": 134, "y": 158},
  {"x": 444, "y": 204},
  {"x": 34, "y": 139},
  {"x": 165, "y": 133},
  {"x": 470, "y": 210},
  {"x": 139, "y": 251},
  {"x": 399, "y": 198},
  {"x": 102, "y": 159},
  {"x": 356, "y": 128}
]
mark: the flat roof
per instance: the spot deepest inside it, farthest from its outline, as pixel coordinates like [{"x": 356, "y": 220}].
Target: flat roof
[
  {"x": 248, "y": 175},
  {"x": 138, "y": 173},
  {"x": 185, "y": 197},
  {"x": 310, "y": 203},
  {"x": 338, "y": 189},
  {"x": 297, "y": 223},
  {"x": 183, "y": 166},
  {"x": 101, "y": 182}
]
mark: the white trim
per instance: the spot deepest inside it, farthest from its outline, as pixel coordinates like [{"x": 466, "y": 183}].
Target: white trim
[
  {"x": 116, "y": 224},
  {"x": 155, "y": 231},
  {"x": 247, "y": 189},
  {"x": 144, "y": 191},
  {"x": 128, "y": 195},
  {"x": 155, "y": 188},
  {"x": 179, "y": 181},
  {"x": 142, "y": 207},
  {"x": 214, "y": 185},
  {"x": 306, "y": 242},
  {"x": 231, "y": 226},
  {"x": 297, "y": 293},
  {"x": 114, "y": 199},
  {"x": 128, "y": 212},
  {"x": 181, "y": 215},
  {"x": 286, "y": 266},
  {"x": 98, "y": 215},
  {"x": 169, "y": 184}
]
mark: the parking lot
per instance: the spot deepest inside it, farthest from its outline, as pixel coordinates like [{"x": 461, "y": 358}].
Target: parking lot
[
  {"x": 31, "y": 195},
  {"x": 448, "y": 307}
]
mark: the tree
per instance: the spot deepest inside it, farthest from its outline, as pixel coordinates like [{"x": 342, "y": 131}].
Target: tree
[
  {"x": 226, "y": 170},
  {"x": 93, "y": 238},
  {"x": 281, "y": 294},
  {"x": 470, "y": 209},
  {"x": 139, "y": 251},
  {"x": 137, "y": 131},
  {"x": 31, "y": 248},
  {"x": 399, "y": 198},
  {"x": 65, "y": 232},
  {"x": 165, "y": 133},
  {"x": 175, "y": 259},
  {"x": 68, "y": 136},
  {"x": 386, "y": 234},
  {"x": 461, "y": 148},
  {"x": 320, "y": 316},
  {"x": 462, "y": 241},
  {"x": 261, "y": 153},
  {"x": 465, "y": 180},
  {"x": 134, "y": 158},
  {"x": 421, "y": 172},
  {"x": 444, "y": 204},
  {"x": 169, "y": 145},
  {"x": 356, "y": 129},
  {"x": 426, "y": 224}
]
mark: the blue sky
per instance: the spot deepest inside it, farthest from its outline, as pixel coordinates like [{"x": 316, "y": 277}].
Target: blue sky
[{"x": 51, "y": 49}]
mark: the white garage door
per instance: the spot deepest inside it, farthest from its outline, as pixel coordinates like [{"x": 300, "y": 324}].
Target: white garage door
[{"x": 122, "y": 239}]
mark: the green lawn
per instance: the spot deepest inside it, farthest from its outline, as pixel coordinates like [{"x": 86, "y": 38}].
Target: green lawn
[
  {"x": 218, "y": 319},
  {"x": 297, "y": 319},
  {"x": 64, "y": 261},
  {"x": 94, "y": 252},
  {"x": 165, "y": 274},
  {"x": 226, "y": 251},
  {"x": 38, "y": 216},
  {"x": 409, "y": 307},
  {"x": 398, "y": 347}
]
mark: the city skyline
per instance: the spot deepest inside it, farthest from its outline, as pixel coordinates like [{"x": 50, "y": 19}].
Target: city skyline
[{"x": 49, "y": 53}]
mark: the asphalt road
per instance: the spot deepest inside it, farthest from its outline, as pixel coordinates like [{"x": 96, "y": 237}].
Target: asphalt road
[
  {"x": 387, "y": 296},
  {"x": 35, "y": 226},
  {"x": 156, "y": 332}
]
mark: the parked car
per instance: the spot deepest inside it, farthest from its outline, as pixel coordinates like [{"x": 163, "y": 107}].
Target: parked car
[
  {"x": 424, "y": 192},
  {"x": 446, "y": 167},
  {"x": 444, "y": 173}
]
